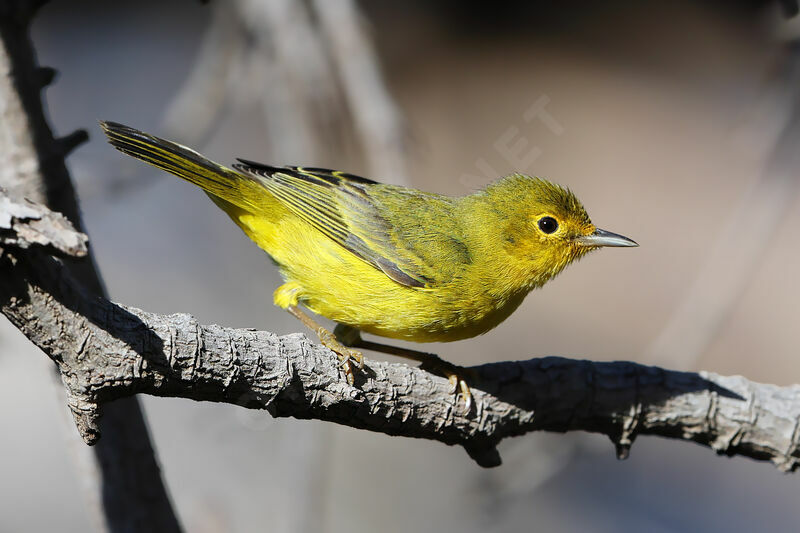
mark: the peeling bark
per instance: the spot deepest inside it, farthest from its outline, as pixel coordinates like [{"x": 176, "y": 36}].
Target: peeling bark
[{"x": 24, "y": 223}]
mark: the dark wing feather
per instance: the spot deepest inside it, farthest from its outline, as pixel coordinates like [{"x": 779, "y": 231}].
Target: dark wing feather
[{"x": 338, "y": 205}]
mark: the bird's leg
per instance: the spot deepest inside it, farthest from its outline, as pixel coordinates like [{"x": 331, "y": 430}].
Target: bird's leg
[
  {"x": 350, "y": 336},
  {"x": 328, "y": 339}
]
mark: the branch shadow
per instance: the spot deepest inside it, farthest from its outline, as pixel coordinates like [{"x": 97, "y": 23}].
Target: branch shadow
[{"x": 568, "y": 394}]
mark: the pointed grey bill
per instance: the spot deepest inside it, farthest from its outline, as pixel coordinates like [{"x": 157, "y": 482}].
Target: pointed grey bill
[{"x": 602, "y": 237}]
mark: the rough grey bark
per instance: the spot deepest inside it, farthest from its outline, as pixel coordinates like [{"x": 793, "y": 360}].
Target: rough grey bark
[
  {"x": 32, "y": 166},
  {"x": 24, "y": 223},
  {"x": 107, "y": 351}
]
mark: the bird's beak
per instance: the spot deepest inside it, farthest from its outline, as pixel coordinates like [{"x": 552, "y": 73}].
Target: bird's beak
[{"x": 602, "y": 237}]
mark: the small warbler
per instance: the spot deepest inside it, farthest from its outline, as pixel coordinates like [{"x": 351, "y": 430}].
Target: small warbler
[{"x": 387, "y": 260}]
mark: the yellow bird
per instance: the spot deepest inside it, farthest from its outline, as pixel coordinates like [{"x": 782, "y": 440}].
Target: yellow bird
[{"x": 388, "y": 260}]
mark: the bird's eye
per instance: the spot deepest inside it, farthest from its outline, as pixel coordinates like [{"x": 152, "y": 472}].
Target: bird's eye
[{"x": 548, "y": 225}]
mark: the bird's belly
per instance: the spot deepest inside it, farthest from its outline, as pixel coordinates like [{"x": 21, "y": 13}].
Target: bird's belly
[
  {"x": 382, "y": 307},
  {"x": 337, "y": 285}
]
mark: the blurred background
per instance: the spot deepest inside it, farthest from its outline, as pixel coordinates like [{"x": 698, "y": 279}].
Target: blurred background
[{"x": 676, "y": 124}]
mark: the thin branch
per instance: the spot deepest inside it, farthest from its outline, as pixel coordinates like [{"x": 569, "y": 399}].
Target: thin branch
[{"x": 107, "y": 351}]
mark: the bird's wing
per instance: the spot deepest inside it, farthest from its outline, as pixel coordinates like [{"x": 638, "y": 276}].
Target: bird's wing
[{"x": 341, "y": 207}]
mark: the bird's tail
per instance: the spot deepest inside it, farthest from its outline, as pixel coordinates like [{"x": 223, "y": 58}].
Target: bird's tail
[{"x": 217, "y": 180}]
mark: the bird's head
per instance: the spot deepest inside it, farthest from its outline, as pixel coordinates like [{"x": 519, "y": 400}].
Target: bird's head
[{"x": 545, "y": 227}]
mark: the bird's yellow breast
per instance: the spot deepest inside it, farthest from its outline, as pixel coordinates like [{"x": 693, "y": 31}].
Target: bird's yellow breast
[{"x": 334, "y": 283}]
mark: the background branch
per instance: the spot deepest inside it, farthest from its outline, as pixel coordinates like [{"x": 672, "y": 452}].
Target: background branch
[
  {"x": 377, "y": 118},
  {"x": 312, "y": 71},
  {"x": 126, "y": 486}
]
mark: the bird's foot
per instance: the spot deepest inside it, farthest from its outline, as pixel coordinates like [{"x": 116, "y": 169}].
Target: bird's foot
[
  {"x": 347, "y": 356},
  {"x": 457, "y": 383},
  {"x": 350, "y": 336},
  {"x": 455, "y": 375}
]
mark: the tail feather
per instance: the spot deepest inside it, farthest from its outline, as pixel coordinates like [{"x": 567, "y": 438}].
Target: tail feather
[{"x": 217, "y": 180}]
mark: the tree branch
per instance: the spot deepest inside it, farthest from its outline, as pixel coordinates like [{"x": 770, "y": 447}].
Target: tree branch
[{"x": 106, "y": 351}]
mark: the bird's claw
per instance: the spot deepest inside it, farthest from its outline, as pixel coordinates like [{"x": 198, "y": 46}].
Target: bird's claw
[
  {"x": 346, "y": 355},
  {"x": 453, "y": 379},
  {"x": 456, "y": 383},
  {"x": 455, "y": 375},
  {"x": 346, "y": 362}
]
